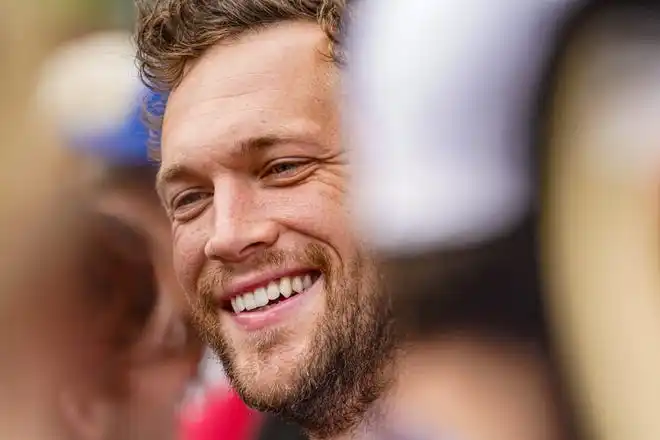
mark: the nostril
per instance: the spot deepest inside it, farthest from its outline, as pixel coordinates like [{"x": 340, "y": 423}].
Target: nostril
[
  {"x": 237, "y": 236},
  {"x": 252, "y": 249},
  {"x": 233, "y": 251}
]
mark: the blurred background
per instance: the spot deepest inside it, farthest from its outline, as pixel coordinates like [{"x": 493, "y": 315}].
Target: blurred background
[
  {"x": 121, "y": 361},
  {"x": 74, "y": 156}
]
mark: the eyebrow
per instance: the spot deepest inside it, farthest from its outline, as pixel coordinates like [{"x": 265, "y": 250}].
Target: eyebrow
[
  {"x": 245, "y": 147},
  {"x": 170, "y": 174}
]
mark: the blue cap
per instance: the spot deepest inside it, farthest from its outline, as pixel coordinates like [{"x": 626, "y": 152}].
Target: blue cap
[{"x": 128, "y": 143}]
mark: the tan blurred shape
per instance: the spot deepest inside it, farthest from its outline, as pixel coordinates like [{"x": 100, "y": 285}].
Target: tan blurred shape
[
  {"x": 29, "y": 155},
  {"x": 601, "y": 227},
  {"x": 35, "y": 177}
]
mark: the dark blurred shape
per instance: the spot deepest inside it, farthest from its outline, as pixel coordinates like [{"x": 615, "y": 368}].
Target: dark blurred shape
[
  {"x": 113, "y": 298},
  {"x": 492, "y": 289},
  {"x": 275, "y": 429}
]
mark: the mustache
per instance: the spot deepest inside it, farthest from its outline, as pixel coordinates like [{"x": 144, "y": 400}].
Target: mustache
[{"x": 217, "y": 275}]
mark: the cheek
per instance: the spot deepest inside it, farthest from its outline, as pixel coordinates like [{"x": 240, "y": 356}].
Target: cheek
[
  {"x": 314, "y": 210},
  {"x": 188, "y": 244}
]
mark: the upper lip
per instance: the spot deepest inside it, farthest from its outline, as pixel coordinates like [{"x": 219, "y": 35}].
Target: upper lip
[{"x": 246, "y": 284}]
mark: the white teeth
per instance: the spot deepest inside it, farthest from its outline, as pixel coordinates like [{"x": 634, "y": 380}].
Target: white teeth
[
  {"x": 237, "y": 304},
  {"x": 248, "y": 299},
  {"x": 273, "y": 291},
  {"x": 262, "y": 296},
  {"x": 240, "y": 304},
  {"x": 285, "y": 287},
  {"x": 297, "y": 284}
]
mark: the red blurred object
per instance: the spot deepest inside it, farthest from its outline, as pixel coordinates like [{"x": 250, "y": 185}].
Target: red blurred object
[{"x": 222, "y": 416}]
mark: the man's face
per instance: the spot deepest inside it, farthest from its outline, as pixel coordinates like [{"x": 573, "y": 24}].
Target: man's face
[{"x": 254, "y": 178}]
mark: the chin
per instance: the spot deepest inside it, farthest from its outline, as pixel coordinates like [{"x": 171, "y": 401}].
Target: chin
[
  {"x": 265, "y": 387},
  {"x": 266, "y": 383},
  {"x": 270, "y": 369}
]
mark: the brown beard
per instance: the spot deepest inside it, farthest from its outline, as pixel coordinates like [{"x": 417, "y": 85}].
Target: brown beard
[{"x": 346, "y": 369}]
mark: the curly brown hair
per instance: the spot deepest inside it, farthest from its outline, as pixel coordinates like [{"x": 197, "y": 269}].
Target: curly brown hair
[{"x": 171, "y": 33}]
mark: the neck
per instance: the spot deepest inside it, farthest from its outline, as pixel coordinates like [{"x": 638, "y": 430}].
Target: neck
[{"x": 367, "y": 428}]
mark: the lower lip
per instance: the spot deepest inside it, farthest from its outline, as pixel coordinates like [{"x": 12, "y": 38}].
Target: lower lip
[{"x": 278, "y": 313}]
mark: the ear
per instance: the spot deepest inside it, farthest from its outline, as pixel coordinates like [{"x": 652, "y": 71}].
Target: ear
[{"x": 88, "y": 417}]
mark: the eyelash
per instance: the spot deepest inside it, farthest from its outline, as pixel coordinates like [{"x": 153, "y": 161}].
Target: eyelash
[
  {"x": 177, "y": 202},
  {"x": 293, "y": 164}
]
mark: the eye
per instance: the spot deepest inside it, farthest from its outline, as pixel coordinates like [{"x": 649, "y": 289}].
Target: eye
[
  {"x": 285, "y": 170},
  {"x": 187, "y": 198},
  {"x": 188, "y": 201}
]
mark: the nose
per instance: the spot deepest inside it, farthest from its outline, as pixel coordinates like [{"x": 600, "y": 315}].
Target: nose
[{"x": 241, "y": 225}]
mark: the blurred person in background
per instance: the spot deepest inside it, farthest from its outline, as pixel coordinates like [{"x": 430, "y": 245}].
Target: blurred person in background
[
  {"x": 79, "y": 353},
  {"x": 166, "y": 356},
  {"x": 443, "y": 113},
  {"x": 91, "y": 89}
]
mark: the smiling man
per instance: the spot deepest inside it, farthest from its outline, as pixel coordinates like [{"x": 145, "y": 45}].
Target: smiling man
[{"x": 254, "y": 179}]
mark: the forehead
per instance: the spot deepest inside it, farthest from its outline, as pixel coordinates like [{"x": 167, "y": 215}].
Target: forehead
[{"x": 262, "y": 84}]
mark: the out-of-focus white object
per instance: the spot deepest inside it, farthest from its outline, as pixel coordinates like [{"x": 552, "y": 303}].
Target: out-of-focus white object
[
  {"x": 90, "y": 85},
  {"x": 441, "y": 95},
  {"x": 624, "y": 118}
]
